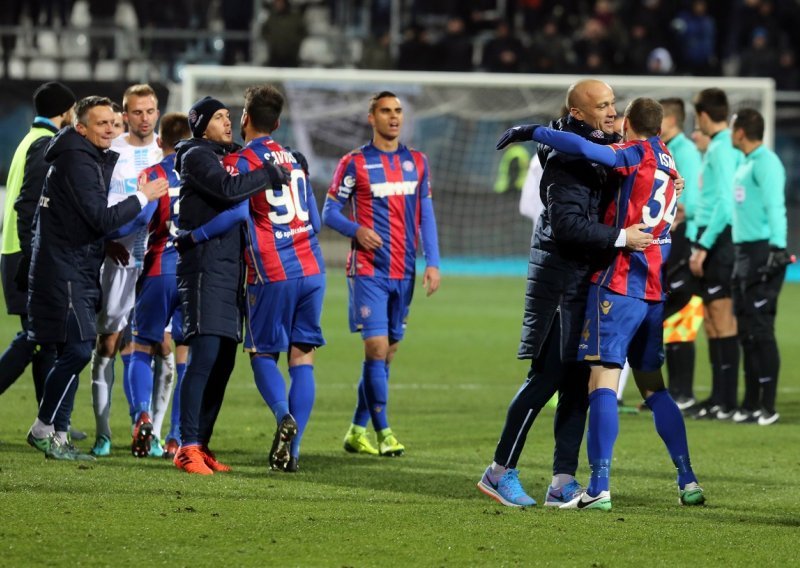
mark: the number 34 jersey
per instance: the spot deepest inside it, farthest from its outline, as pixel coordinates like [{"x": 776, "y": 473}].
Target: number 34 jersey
[
  {"x": 283, "y": 224},
  {"x": 646, "y": 195}
]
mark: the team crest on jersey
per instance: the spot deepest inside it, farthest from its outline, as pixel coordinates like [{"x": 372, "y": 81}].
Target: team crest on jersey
[
  {"x": 605, "y": 307},
  {"x": 349, "y": 181},
  {"x": 365, "y": 312},
  {"x": 597, "y": 134},
  {"x": 408, "y": 166}
]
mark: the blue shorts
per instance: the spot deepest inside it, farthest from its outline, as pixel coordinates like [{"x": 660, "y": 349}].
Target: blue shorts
[
  {"x": 280, "y": 314},
  {"x": 619, "y": 327},
  {"x": 157, "y": 304},
  {"x": 379, "y": 306}
]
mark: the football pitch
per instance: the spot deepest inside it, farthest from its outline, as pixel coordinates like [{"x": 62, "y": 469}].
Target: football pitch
[{"x": 451, "y": 383}]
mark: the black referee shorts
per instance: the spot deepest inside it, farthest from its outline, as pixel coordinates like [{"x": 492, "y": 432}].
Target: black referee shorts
[
  {"x": 679, "y": 282},
  {"x": 718, "y": 268},
  {"x": 755, "y": 302}
]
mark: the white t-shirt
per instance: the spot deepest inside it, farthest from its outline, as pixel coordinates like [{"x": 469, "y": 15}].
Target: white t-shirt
[{"x": 124, "y": 182}]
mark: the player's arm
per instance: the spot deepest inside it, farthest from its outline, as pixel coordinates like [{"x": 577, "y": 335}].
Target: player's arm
[
  {"x": 724, "y": 169},
  {"x": 202, "y": 169},
  {"x": 430, "y": 238},
  {"x": 772, "y": 181},
  {"x": 222, "y": 223},
  {"x": 139, "y": 222},
  {"x": 566, "y": 142},
  {"x": 339, "y": 193},
  {"x": 313, "y": 210}
]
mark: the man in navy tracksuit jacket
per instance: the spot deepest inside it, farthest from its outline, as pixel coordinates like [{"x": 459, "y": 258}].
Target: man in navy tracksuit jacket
[
  {"x": 210, "y": 276},
  {"x": 68, "y": 248}
]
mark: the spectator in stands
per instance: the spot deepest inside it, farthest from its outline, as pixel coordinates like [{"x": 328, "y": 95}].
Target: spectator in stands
[
  {"x": 652, "y": 14},
  {"x": 415, "y": 50},
  {"x": 455, "y": 47},
  {"x": 376, "y": 53},
  {"x": 788, "y": 77},
  {"x": 504, "y": 52},
  {"x": 284, "y": 32},
  {"x": 698, "y": 34},
  {"x": 593, "y": 50},
  {"x": 638, "y": 50},
  {"x": 237, "y": 16},
  {"x": 760, "y": 59},
  {"x": 549, "y": 51},
  {"x": 659, "y": 62}
]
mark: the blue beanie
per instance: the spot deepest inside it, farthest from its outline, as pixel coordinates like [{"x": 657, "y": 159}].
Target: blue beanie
[{"x": 200, "y": 115}]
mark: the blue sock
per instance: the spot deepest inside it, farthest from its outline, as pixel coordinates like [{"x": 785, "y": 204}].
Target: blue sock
[
  {"x": 670, "y": 426},
  {"x": 175, "y": 412},
  {"x": 140, "y": 377},
  {"x": 603, "y": 430},
  {"x": 361, "y": 415},
  {"x": 126, "y": 384},
  {"x": 376, "y": 391},
  {"x": 301, "y": 400},
  {"x": 271, "y": 385}
]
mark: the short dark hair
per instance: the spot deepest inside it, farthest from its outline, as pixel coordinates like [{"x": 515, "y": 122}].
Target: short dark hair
[
  {"x": 673, "y": 106},
  {"x": 174, "y": 126},
  {"x": 263, "y": 104},
  {"x": 713, "y": 102},
  {"x": 373, "y": 101},
  {"x": 644, "y": 115},
  {"x": 751, "y": 121},
  {"x": 116, "y": 107},
  {"x": 83, "y": 106}
]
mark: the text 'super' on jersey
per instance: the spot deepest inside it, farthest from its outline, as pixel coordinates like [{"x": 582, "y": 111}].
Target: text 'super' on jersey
[{"x": 385, "y": 190}]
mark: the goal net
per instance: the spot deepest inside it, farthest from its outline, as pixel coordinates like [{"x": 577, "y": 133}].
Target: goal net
[{"x": 455, "y": 118}]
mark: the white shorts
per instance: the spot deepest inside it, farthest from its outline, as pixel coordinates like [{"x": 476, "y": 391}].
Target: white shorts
[{"x": 119, "y": 296}]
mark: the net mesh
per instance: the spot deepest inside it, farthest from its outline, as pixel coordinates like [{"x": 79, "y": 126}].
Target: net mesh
[{"x": 476, "y": 192}]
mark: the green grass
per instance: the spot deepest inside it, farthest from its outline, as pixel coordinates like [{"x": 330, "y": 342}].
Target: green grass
[{"x": 451, "y": 384}]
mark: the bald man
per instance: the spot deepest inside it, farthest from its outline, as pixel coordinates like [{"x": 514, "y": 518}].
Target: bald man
[{"x": 568, "y": 244}]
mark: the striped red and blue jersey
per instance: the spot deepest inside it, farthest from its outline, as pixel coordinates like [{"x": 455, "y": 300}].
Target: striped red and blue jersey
[
  {"x": 646, "y": 195},
  {"x": 281, "y": 233},
  {"x": 161, "y": 256},
  {"x": 385, "y": 190}
]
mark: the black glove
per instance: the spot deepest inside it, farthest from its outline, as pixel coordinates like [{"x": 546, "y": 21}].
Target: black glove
[
  {"x": 522, "y": 133},
  {"x": 184, "y": 242},
  {"x": 301, "y": 159},
  {"x": 21, "y": 276},
  {"x": 277, "y": 175},
  {"x": 778, "y": 259}
]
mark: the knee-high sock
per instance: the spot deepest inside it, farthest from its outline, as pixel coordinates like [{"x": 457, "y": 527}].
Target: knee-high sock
[
  {"x": 670, "y": 426},
  {"x": 603, "y": 430},
  {"x": 301, "y": 401},
  {"x": 175, "y": 414},
  {"x": 164, "y": 380},
  {"x": 102, "y": 383},
  {"x": 271, "y": 385},
  {"x": 127, "y": 387},
  {"x": 140, "y": 378},
  {"x": 376, "y": 390},
  {"x": 770, "y": 365},
  {"x": 361, "y": 415},
  {"x": 680, "y": 367},
  {"x": 752, "y": 371}
]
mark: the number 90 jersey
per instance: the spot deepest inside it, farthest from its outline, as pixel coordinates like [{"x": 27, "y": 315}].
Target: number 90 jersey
[
  {"x": 161, "y": 256},
  {"x": 282, "y": 226},
  {"x": 646, "y": 195}
]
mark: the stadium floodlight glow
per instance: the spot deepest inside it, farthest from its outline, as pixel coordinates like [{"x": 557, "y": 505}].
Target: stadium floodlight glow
[{"x": 455, "y": 118}]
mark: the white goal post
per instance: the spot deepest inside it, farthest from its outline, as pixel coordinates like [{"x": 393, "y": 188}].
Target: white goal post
[{"x": 455, "y": 118}]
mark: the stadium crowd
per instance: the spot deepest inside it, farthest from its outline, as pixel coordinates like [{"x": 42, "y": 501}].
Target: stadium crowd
[{"x": 687, "y": 37}]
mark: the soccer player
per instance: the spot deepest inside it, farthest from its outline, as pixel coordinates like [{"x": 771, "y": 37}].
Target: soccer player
[
  {"x": 388, "y": 186},
  {"x": 210, "y": 276},
  {"x": 157, "y": 305},
  {"x": 683, "y": 311},
  {"x": 53, "y": 103},
  {"x": 759, "y": 239},
  {"x": 137, "y": 150},
  {"x": 712, "y": 253},
  {"x": 285, "y": 274},
  {"x": 624, "y": 312},
  {"x": 72, "y": 218},
  {"x": 568, "y": 239}
]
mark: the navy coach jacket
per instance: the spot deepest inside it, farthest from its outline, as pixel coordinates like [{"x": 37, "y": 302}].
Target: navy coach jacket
[
  {"x": 211, "y": 275},
  {"x": 70, "y": 223},
  {"x": 569, "y": 244}
]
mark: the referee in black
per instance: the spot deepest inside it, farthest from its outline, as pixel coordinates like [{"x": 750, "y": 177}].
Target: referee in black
[{"x": 759, "y": 235}]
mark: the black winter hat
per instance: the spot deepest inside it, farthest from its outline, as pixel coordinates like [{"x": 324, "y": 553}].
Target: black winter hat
[
  {"x": 53, "y": 99},
  {"x": 200, "y": 114}
]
